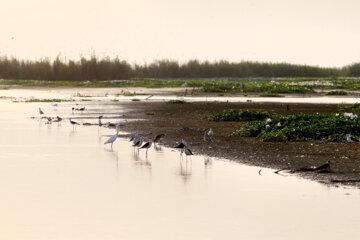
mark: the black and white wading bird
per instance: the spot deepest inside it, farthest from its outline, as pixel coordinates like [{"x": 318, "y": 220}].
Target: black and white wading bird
[
  {"x": 138, "y": 143},
  {"x": 147, "y": 145},
  {"x": 73, "y": 122},
  {"x": 134, "y": 138},
  {"x": 158, "y": 138},
  {"x": 41, "y": 112},
  {"x": 113, "y": 138},
  {"x": 181, "y": 145}
]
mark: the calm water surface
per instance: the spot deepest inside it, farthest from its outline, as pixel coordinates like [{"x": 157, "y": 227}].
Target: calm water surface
[{"x": 58, "y": 182}]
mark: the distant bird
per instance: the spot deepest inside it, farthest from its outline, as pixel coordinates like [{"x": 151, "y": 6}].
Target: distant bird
[
  {"x": 73, "y": 122},
  {"x": 287, "y": 107},
  {"x": 107, "y": 94},
  {"x": 113, "y": 138},
  {"x": 134, "y": 138},
  {"x": 100, "y": 123},
  {"x": 351, "y": 139},
  {"x": 49, "y": 119},
  {"x": 138, "y": 142},
  {"x": 78, "y": 109},
  {"x": 147, "y": 145},
  {"x": 40, "y": 111},
  {"x": 207, "y": 138},
  {"x": 187, "y": 151},
  {"x": 58, "y": 118},
  {"x": 54, "y": 104},
  {"x": 181, "y": 145},
  {"x": 211, "y": 132},
  {"x": 158, "y": 138}
]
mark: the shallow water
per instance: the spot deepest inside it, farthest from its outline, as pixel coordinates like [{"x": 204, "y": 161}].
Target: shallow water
[
  {"x": 61, "y": 182},
  {"x": 99, "y": 94}
]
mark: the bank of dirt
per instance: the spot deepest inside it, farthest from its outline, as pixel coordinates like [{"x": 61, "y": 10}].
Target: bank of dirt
[{"x": 188, "y": 121}]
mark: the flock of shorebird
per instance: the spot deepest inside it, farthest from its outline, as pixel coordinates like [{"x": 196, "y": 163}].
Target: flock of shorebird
[{"x": 137, "y": 140}]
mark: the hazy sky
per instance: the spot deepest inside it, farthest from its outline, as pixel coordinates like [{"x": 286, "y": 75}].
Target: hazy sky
[{"x": 318, "y": 32}]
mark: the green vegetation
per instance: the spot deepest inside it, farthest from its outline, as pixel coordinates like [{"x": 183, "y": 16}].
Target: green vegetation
[
  {"x": 135, "y": 100},
  {"x": 177, "y": 101},
  {"x": 337, "y": 93},
  {"x": 239, "y": 115},
  {"x": 303, "y": 127},
  {"x": 354, "y": 108},
  {"x": 150, "y": 113}
]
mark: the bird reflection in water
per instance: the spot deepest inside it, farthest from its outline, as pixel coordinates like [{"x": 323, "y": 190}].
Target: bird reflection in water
[
  {"x": 113, "y": 155},
  {"x": 185, "y": 169},
  {"x": 139, "y": 161}
]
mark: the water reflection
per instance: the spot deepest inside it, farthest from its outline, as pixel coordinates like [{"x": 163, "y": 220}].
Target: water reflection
[
  {"x": 185, "y": 169},
  {"x": 139, "y": 160}
]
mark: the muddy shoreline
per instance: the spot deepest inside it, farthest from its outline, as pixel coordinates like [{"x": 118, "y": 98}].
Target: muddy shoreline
[{"x": 188, "y": 121}]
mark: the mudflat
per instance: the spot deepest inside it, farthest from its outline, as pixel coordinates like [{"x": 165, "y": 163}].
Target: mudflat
[{"x": 188, "y": 121}]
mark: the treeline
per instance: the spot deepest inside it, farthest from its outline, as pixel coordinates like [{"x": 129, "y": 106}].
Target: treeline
[{"x": 111, "y": 69}]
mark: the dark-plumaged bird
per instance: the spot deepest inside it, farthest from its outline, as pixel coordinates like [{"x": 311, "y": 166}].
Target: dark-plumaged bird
[
  {"x": 147, "y": 145},
  {"x": 40, "y": 111},
  {"x": 158, "y": 137},
  {"x": 187, "y": 151},
  {"x": 181, "y": 145},
  {"x": 58, "y": 118},
  {"x": 73, "y": 122}
]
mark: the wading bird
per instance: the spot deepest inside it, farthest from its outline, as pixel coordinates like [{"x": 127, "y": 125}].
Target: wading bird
[
  {"x": 207, "y": 138},
  {"x": 113, "y": 138},
  {"x": 147, "y": 145},
  {"x": 138, "y": 142},
  {"x": 351, "y": 140},
  {"x": 158, "y": 138},
  {"x": 100, "y": 123},
  {"x": 58, "y": 118},
  {"x": 134, "y": 138},
  {"x": 73, "y": 122},
  {"x": 181, "y": 145},
  {"x": 107, "y": 94},
  {"x": 41, "y": 112}
]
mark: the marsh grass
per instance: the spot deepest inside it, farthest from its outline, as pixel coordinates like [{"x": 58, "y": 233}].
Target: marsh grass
[{"x": 337, "y": 93}]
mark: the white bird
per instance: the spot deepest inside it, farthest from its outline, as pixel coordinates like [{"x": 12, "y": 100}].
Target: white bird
[
  {"x": 54, "y": 104},
  {"x": 107, "y": 94},
  {"x": 210, "y": 133},
  {"x": 350, "y": 139},
  {"x": 147, "y": 145},
  {"x": 113, "y": 138},
  {"x": 40, "y": 111}
]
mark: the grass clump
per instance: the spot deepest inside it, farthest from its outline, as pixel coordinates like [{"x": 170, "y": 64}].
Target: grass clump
[
  {"x": 177, "y": 101},
  {"x": 337, "y": 93},
  {"x": 355, "y": 108},
  {"x": 303, "y": 127},
  {"x": 135, "y": 100},
  {"x": 239, "y": 115}
]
